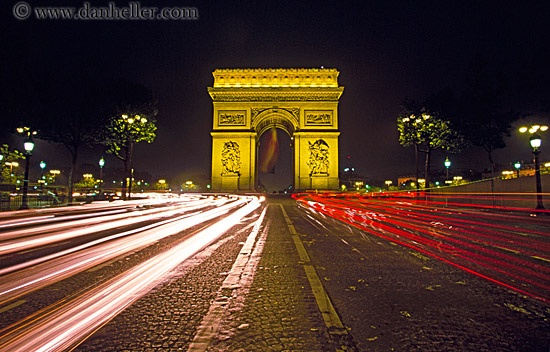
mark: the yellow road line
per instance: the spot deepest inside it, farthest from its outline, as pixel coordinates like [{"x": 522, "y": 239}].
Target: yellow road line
[
  {"x": 534, "y": 256},
  {"x": 330, "y": 317},
  {"x": 11, "y": 306}
]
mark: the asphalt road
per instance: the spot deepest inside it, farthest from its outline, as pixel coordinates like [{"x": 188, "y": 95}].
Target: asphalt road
[
  {"x": 399, "y": 293},
  {"x": 234, "y": 274}
]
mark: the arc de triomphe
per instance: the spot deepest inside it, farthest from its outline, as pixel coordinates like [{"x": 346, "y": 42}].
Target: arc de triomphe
[{"x": 303, "y": 102}]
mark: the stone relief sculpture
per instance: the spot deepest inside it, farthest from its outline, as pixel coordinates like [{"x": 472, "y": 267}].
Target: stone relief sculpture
[
  {"x": 231, "y": 159},
  {"x": 321, "y": 118},
  {"x": 231, "y": 119},
  {"x": 318, "y": 157}
]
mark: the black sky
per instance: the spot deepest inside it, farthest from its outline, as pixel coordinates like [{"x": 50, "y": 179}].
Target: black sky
[{"x": 385, "y": 51}]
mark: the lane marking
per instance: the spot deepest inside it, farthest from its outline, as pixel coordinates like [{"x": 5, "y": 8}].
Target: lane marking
[
  {"x": 241, "y": 274},
  {"x": 536, "y": 257},
  {"x": 330, "y": 317},
  {"x": 11, "y": 306}
]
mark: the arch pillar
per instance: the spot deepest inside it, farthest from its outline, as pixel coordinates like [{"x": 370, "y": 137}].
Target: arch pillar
[
  {"x": 312, "y": 171},
  {"x": 233, "y": 161}
]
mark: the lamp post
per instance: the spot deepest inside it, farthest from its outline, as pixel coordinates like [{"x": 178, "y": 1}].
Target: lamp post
[
  {"x": 42, "y": 181},
  {"x": 29, "y": 146},
  {"x": 536, "y": 142},
  {"x": 447, "y": 164},
  {"x": 11, "y": 164},
  {"x": 101, "y": 164},
  {"x": 517, "y": 165}
]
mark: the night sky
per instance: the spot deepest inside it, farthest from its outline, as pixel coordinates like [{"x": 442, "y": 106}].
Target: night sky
[{"x": 386, "y": 51}]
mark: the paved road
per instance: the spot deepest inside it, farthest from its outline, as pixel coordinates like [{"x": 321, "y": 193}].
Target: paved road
[{"x": 291, "y": 278}]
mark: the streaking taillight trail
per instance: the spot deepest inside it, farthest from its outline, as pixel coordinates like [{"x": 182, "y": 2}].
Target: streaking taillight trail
[{"x": 510, "y": 249}]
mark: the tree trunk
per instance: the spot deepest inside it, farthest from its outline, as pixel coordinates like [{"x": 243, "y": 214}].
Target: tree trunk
[
  {"x": 125, "y": 180},
  {"x": 427, "y": 171},
  {"x": 74, "y": 156},
  {"x": 492, "y": 176},
  {"x": 131, "y": 171},
  {"x": 416, "y": 167}
]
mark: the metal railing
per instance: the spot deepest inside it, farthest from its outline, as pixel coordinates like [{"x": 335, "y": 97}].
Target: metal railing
[{"x": 12, "y": 201}]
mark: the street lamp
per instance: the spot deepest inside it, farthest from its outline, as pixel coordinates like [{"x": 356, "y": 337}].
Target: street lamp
[
  {"x": 29, "y": 146},
  {"x": 447, "y": 164},
  {"x": 536, "y": 141},
  {"x": 41, "y": 180},
  {"x": 517, "y": 165},
  {"x": 101, "y": 164},
  {"x": 11, "y": 164}
]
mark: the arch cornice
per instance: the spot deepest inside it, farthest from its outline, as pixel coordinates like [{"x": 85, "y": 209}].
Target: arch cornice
[{"x": 274, "y": 94}]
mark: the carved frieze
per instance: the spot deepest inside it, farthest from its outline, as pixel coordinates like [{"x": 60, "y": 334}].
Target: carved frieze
[
  {"x": 318, "y": 161},
  {"x": 231, "y": 159},
  {"x": 220, "y": 95},
  {"x": 231, "y": 118},
  {"x": 318, "y": 117}
]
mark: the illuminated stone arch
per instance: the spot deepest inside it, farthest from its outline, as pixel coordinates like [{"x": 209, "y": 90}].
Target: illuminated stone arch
[
  {"x": 248, "y": 102},
  {"x": 274, "y": 117}
]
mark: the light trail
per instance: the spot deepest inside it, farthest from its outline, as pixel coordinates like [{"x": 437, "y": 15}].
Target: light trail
[
  {"x": 489, "y": 245},
  {"x": 69, "y": 324},
  {"x": 15, "y": 241},
  {"x": 61, "y": 265}
]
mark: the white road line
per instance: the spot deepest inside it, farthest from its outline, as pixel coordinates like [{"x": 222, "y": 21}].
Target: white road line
[{"x": 240, "y": 276}]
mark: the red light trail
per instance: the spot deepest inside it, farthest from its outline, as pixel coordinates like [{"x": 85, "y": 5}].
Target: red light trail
[{"x": 511, "y": 249}]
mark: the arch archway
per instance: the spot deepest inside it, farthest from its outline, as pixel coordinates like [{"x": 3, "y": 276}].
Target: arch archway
[
  {"x": 246, "y": 106},
  {"x": 274, "y": 163}
]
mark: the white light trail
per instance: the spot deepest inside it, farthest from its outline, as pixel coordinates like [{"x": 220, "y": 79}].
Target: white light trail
[
  {"x": 76, "y": 320},
  {"x": 21, "y": 282},
  {"x": 22, "y": 239}
]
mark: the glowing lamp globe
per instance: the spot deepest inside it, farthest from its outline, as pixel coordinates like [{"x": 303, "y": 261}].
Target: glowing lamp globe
[
  {"x": 535, "y": 141},
  {"x": 29, "y": 145}
]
